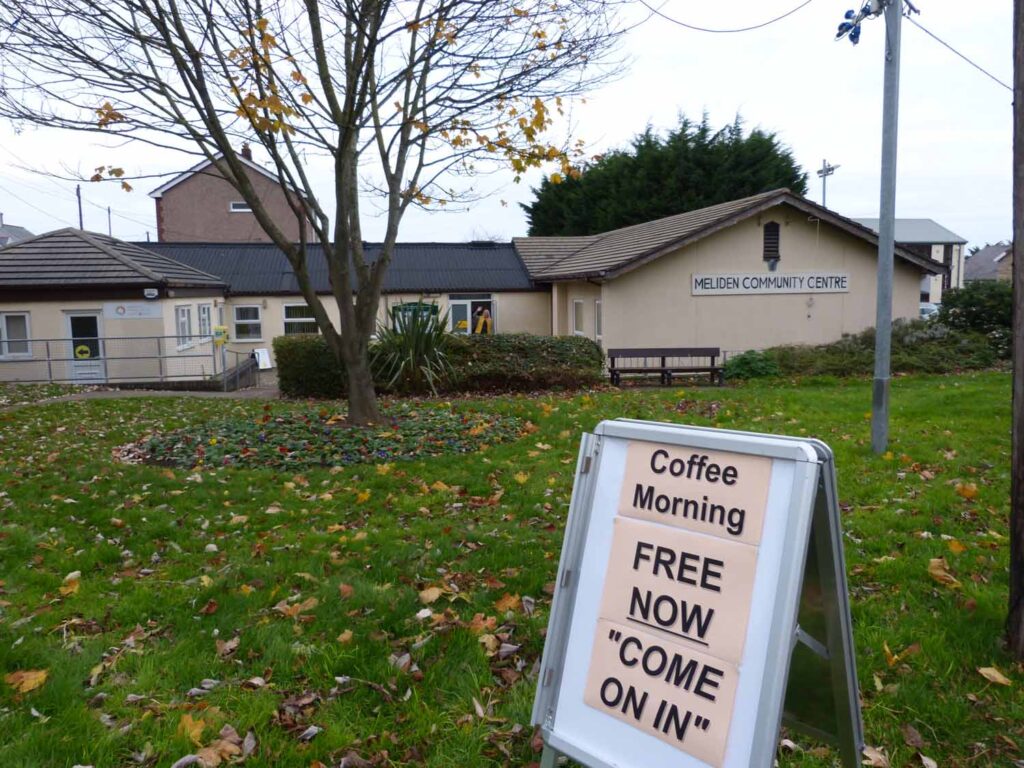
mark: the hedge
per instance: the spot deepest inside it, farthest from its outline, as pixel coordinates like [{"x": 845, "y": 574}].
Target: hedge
[
  {"x": 306, "y": 367},
  {"x": 917, "y": 347},
  {"x": 502, "y": 362}
]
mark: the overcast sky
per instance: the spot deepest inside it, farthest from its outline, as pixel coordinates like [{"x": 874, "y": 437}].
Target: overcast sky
[{"x": 823, "y": 99}]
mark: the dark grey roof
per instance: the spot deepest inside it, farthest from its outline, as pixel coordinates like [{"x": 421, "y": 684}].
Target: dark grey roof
[
  {"x": 917, "y": 231},
  {"x": 9, "y": 234},
  {"x": 616, "y": 252},
  {"x": 984, "y": 265},
  {"x": 71, "y": 258},
  {"x": 261, "y": 268}
]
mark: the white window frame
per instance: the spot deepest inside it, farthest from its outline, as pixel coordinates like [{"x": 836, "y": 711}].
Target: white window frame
[
  {"x": 205, "y": 329},
  {"x": 286, "y": 319},
  {"x": 5, "y": 353},
  {"x": 257, "y": 322},
  {"x": 187, "y": 339},
  {"x": 598, "y": 320},
  {"x": 578, "y": 331},
  {"x": 239, "y": 206}
]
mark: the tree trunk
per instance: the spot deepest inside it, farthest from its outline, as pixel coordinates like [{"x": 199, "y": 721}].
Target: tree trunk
[
  {"x": 362, "y": 396},
  {"x": 1015, "y": 620}
]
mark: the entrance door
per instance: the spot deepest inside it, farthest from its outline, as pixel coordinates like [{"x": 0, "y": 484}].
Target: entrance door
[{"x": 85, "y": 348}]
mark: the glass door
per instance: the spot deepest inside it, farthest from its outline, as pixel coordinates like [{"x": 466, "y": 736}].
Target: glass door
[
  {"x": 85, "y": 348},
  {"x": 459, "y": 313}
]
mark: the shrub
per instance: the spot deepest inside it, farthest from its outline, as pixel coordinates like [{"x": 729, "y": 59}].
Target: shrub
[
  {"x": 750, "y": 365},
  {"x": 983, "y": 306},
  {"x": 412, "y": 358},
  {"x": 523, "y": 362},
  {"x": 917, "y": 347},
  {"x": 505, "y": 362},
  {"x": 307, "y": 368}
]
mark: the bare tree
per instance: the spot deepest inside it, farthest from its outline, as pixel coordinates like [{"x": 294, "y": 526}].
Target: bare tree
[
  {"x": 1015, "y": 620},
  {"x": 401, "y": 96}
]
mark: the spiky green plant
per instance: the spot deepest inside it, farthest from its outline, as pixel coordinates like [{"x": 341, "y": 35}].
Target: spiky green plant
[{"x": 412, "y": 356}]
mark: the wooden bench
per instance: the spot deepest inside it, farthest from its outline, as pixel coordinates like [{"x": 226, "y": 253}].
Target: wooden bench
[{"x": 665, "y": 362}]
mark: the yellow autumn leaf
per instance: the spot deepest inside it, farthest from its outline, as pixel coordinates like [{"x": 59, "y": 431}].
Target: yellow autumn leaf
[
  {"x": 966, "y": 490},
  {"x": 439, "y": 486},
  {"x": 507, "y": 602},
  {"x": 956, "y": 547},
  {"x": 383, "y": 469},
  {"x": 191, "y": 729},
  {"x": 993, "y": 675},
  {"x": 521, "y": 477},
  {"x": 26, "y": 680},
  {"x": 938, "y": 569},
  {"x": 362, "y": 497},
  {"x": 246, "y": 589},
  {"x": 430, "y": 595}
]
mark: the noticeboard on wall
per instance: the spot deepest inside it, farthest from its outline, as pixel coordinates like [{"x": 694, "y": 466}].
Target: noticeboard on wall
[{"x": 678, "y": 604}]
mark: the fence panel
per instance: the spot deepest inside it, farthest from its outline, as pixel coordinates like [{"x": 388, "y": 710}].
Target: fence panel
[{"x": 111, "y": 360}]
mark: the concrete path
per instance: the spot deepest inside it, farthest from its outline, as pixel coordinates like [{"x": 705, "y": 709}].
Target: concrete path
[{"x": 253, "y": 393}]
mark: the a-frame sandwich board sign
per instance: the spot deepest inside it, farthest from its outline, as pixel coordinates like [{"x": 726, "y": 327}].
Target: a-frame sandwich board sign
[{"x": 701, "y": 600}]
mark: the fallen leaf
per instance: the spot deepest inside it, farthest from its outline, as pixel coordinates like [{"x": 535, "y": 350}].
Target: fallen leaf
[
  {"x": 26, "y": 680},
  {"x": 938, "y": 569},
  {"x": 345, "y": 591},
  {"x": 873, "y": 756},
  {"x": 430, "y": 595},
  {"x": 926, "y": 761},
  {"x": 71, "y": 583},
  {"x": 966, "y": 490},
  {"x": 956, "y": 547},
  {"x": 507, "y": 602},
  {"x": 345, "y": 637},
  {"x": 993, "y": 675},
  {"x": 226, "y": 648},
  {"x": 521, "y": 477},
  {"x": 192, "y": 729},
  {"x": 911, "y": 736},
  {"x": 210, "y": 608}
]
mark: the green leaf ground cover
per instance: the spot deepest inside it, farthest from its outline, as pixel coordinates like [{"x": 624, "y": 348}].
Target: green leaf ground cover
[
  {"x": 319, "y": 436},
  {"x": 394, "y": 612}
]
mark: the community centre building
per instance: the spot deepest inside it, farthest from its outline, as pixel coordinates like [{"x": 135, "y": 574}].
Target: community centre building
[{"x": 770, "y": 269}]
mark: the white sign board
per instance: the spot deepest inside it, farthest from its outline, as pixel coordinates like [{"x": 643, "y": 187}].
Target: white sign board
[
  {"x": 131, "y": 310},
  {"x": 675, "y": 617},
  {"x": 770, "y": 282}
]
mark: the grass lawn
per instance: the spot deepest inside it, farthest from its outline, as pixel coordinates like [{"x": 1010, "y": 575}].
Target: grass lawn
[{"x": 393, "y": 612}]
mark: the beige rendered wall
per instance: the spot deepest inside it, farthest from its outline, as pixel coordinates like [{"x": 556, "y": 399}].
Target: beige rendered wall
[
  {"x": 652, "y": 305},
  {"x": 198, "y": 209},
  {"x": 566, "y": 295},
  {"x": 526, "y": 312},
  {"x": 122, "y": 338}
]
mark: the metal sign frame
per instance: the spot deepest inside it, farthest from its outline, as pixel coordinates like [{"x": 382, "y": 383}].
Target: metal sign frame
[{"x": 822, "y": 654}]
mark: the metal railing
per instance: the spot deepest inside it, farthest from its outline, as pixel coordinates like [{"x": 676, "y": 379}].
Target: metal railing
[{"x": 123, "y": 360}]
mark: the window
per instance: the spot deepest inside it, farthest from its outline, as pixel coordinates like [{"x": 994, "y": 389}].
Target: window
[
  {"x": 183, "y": 325},
  {"x": 597, "y": 320},
  {"x": 239, "y": 206},
  {"x": 247, "y": 323},
  {"x": 14, "y": 335},
  {"x": 771, "y": 241},
  {"x": 577, "y": 317},
  {"x": 471, "y": 313},
  {"x": 298, "y": 318},
  {"x": 205, "y": 320}
]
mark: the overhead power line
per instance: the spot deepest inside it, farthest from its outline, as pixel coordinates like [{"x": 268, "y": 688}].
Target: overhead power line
[
  {"x": 695, "y": 28},
  {"x": 962, "y": 56}
]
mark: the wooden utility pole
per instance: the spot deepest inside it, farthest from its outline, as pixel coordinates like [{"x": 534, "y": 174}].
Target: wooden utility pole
[{"x": 1015, "y": 620}]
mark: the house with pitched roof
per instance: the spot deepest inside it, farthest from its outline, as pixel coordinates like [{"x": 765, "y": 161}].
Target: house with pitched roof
[
  {"x": 766, "y": 270},
  {"x": 929, "y": 239},
  {"x": 993, "y": 262}
]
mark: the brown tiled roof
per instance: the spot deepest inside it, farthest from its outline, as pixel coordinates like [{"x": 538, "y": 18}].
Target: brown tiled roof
[
  {"x": 623, "y": 249},
  {"x": 538, "y": 253},
  {"x": 73, "y": 258}
]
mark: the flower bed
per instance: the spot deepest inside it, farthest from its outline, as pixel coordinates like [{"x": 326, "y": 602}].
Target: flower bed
[{"x": 310, "y": 436}]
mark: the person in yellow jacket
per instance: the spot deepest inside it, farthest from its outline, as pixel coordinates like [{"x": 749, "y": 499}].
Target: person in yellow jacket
[{"x": 483, "y": 321}]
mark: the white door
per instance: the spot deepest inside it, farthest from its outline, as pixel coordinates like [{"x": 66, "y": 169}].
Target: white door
[{"x": 85, "y": 348}]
